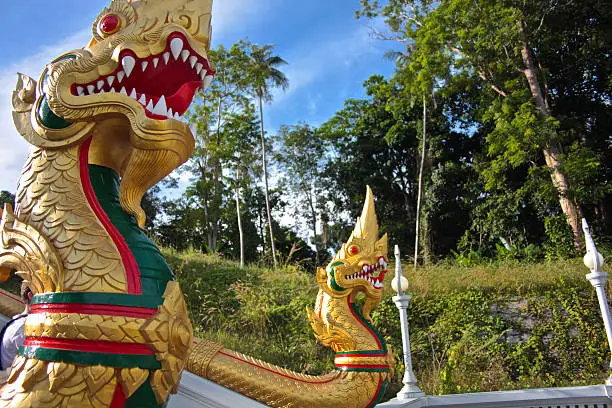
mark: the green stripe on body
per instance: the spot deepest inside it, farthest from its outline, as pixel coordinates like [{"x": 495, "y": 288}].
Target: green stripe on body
[
  {"x": 146, "y": 361},
  {"x": 99, "y": 298}
]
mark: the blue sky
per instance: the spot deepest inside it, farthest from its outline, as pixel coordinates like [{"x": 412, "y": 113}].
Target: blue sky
[{"x": 329, "y": 52}]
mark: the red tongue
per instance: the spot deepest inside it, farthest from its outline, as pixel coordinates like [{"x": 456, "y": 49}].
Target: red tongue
[{"x": 179, "y": 102}]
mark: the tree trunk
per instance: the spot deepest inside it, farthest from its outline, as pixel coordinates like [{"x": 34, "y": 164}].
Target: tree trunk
[
  {"x": 205, "y": 202},
  {"x": 552, "y": 151},
  {"x": 420, "y": 188},
  {"x": 240, "y": 233},
  {"x": 313, "y": 220},
  {"x": 265, "y": 174},
  {"x": 213, "y": 223}
]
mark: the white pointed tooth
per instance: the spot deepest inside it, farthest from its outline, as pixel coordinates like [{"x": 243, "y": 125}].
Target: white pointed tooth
[
  {"x": 150, "y": 105},
  {"x": 128, "y": 62},
  {"x": 176, "y": 46},
  {"x": 120, "y": 76},
  {"x": 160, "y": 106},
  {"x": 123, "y": 91},
  {"x": 143, "y": 99},
  {"x": 144, "y": 65},
  {"x": 112, "y": 90},
  {"x": 102, "y": 91},
  {"x": 110, "y": 80},
  {"x": 133, "y": 94},
  {"x": 185, "y": 55},
  {"x": 80, "y": 91},
  {"x": 166, "y": 57},
  {"x": 155, "y": 62},
  {"x": 207, "y": 81},
  {"x": 177, "y": 116},
  {"x": 192, "y": 60},
  {"x": 198, "y": 68},
  {"x": 90, "y": 89},
  {"x": 100, "y": 84},
  {"x": 202, "y": 75},
  {"x": 170, "y": 113}
]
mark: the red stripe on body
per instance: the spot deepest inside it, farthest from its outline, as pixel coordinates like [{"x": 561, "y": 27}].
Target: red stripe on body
[
  {"x": 89, "y": 346},
  {"x": 131, "y": 267},
  {"x": 108, "y": 310},
  {"x": 118, "y": 398},
  {"x": 281, "y": 374}
]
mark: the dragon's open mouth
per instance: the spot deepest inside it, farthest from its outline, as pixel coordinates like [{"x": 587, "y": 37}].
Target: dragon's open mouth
[
  {"x": 164, "y": 84},
  {"x": 372, "y": 273}
]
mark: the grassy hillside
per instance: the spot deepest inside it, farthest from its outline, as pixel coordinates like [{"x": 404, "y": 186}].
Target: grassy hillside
[
  {"x": 494, "y": 327},
  {"x": 491, "y": 327}
]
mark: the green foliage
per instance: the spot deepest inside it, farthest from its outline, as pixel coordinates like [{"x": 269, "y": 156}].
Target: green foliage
[
  {"x": 256, "y": 311},
  {"x": 511, "y": 74},
  {"x": 560, "y": 244},
  {"x": 6, "y": 197}
]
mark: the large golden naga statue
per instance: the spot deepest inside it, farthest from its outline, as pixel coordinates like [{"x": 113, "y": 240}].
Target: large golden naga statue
[{"x": 108, "y": 324}]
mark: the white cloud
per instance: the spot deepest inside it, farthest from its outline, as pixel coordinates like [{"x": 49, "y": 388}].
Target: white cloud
[
  {"x": 234, "y": 15},
  {"x": 336, "y": 55}
]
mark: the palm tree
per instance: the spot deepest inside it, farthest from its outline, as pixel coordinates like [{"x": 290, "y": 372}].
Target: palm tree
[{"x": 263, "y": 77}]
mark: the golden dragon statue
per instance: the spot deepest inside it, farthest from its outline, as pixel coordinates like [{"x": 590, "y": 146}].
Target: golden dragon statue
[{"x": 108, "y": 325}]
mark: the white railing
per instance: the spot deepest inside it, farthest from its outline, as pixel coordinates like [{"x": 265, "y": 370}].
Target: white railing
[
  {"x": 195, "y": 392},
  {"x": 595, "y": 396}
]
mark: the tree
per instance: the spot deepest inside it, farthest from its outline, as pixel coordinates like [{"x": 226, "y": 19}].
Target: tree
[
  {"x": 6, "y": 197},
  {"x": 302, "y": 156},
  {"x": 510, "y": 50},
  {"x": 240, "y": 134},
  {"x": 263, "y": 75},
  {"x": 208, "y": 121}
]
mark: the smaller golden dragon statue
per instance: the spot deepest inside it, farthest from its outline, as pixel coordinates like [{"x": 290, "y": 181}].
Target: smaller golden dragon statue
[{"x": 363, "y": 362}]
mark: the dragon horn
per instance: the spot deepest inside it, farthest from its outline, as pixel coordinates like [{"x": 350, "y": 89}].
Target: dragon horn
[
  {"x": 367, "y": 223},
  {"x": 365, "y": 233}
]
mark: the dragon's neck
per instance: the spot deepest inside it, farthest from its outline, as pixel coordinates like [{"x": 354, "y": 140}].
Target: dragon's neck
[
  {"x": 154, "y": 271},
  {"x": 353, "y": 333}
]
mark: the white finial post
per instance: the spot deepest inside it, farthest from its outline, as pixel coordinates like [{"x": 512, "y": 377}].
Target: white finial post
[
  {"x": 400, "y": 284},
  {"x": 594, "y": 261}
]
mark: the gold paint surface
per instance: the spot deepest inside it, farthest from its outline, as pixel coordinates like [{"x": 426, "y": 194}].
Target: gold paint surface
[
  {"x": 54, "y": 239},
  {"x": 36, "y": 383},
  {"x": 85, "y": 326},
  {"x": 170, "y": 334},
  {"x": 50, "y": 200}
]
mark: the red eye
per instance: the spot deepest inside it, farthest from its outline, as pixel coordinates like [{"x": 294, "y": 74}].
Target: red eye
[
  {"x": 109, "y": 24},
  {"x": 353, "y": 250}
]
